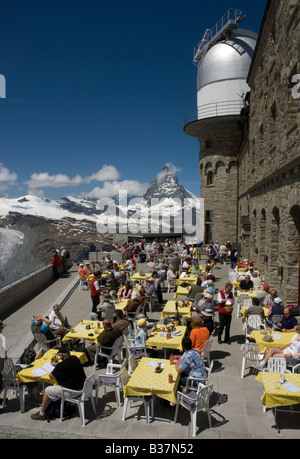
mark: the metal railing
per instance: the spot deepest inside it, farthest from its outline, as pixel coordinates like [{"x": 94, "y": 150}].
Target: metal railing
[
  {"x": 229, "y": 20},
  {"x": 228, "y": 107}
]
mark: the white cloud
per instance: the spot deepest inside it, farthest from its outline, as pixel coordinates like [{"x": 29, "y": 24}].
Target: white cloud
[
  {"x": 44, "y": 179},
  {"x": 169, "y": 168},
  {"x": 112, "y": 188},
  {"x": 6, "y": 175},
  {"x": 107, "y": 172}
]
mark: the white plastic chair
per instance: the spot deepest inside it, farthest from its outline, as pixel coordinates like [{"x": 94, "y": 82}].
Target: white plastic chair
[
  {"x": 171, "y": 283},
  {"x": 276, "y": 365},
  {"x": 195, "y": 401},
  {"x": 45, "y": 344},
  {"x": 205, "y": 351},
  {"x": 251, "y": 355},
  {"x": 192, "y": 383},
  {"x": 11, "y": 383},
  {"x": 110, "y": 352},
  {"x": 112, "y": 379},
  {"x": 131, "y": 348},
  {"x": 79, "y": 398},
  {"x": 255, "y": 322},
  {"x": 147, "y": 400}
]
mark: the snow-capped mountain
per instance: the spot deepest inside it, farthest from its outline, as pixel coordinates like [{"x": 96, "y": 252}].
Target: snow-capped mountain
[{"x": 74, "y": 223}]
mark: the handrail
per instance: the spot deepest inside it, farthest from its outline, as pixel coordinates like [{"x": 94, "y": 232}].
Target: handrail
[
  {"x": 228, "y": 107},
  {"x": 230, "y": 20}
]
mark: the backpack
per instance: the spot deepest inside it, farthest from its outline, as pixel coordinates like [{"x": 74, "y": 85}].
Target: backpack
[
  {"x": 28, "y": 355},
  {"x": 53, "y": 410}
]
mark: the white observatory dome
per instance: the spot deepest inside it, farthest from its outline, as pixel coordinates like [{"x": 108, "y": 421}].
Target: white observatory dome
[{"x": 222, "y": 74}]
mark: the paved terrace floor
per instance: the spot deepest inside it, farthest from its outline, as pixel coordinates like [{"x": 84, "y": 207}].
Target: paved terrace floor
[{"x": 236, "y": 407}]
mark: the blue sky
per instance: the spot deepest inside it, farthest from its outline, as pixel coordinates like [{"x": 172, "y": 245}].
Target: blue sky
[{"x": 96, "y": 92}]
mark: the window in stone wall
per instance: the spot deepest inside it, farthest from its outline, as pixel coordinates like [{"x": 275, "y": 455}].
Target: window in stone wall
[
  {"x": 208, "y": 144},
  {"x": 273, "y": 111},
  {"x": 210, "y": 178}
]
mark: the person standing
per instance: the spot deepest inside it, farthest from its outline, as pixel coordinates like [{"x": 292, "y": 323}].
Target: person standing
[
  {"x": 233, "y": 258},
  {"x": 225, "y": 307},
  {"x": 95, "y": 290}
]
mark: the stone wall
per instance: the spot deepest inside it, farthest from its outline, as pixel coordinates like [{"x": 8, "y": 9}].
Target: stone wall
[{"x": 269, "y": 163}]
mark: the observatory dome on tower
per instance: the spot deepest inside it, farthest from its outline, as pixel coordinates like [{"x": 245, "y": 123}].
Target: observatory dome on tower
[
  {"x": 223, "y": 58},
  {"x": 222, "y": 74}
]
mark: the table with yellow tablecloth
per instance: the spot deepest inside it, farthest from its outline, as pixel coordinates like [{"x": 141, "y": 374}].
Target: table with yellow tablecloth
[
  {"x": 277, "y": 394},
  {"x": 81, "y": 332},
  {"x": 181, "y": 291},
  {"x": 280, "y": 339},
  {"x": 27, "y": 375},
  {"x": 145, "y": 382},
  {"x": 159, "y": 339},
  {"x": 190, "y": 279},
  {"x": 250, "y": 293},
  {"x": 170, "y": 309},
  {"x": 121, "y": 303},
  {"x": 140, "y": 276}
]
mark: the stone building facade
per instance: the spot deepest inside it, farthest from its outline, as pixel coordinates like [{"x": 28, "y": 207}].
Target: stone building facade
[
  {"x": 250, "y": 171},
  {"x": 269, "y": 158}
]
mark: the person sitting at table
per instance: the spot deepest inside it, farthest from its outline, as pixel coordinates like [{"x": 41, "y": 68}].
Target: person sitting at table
[
  {"x": 210, "y": 286},
  {"x": 113, "y": 283},
  {"x": 69, "y": 373},
  {"x": 276, "y": 310},
  {"x": 269, "y": 299},
  {"x": 288, "y": 323},
  {"x": 291, "y": 350},
  {"x": 251, "y": 272},
  {"x": 126, "y": 291},
  {"x": 196, "y": 270},
  {"x": 41, "y": 324},
  {"x": 87, "y": 269},
  {"x": 190, "y": 363},
  {"x": 208, "y": 321},
  {"x": 203, "y": 304},
  {"x": 133, "y": 302},
  {"x": 141, "y": 336},
  {"x": 150, "y": 287},
  {"x": 59, "y": 325},
  {"x": 106, "y": 340},
  {"x": 186, "y": 264},
  {"x": 106, "y": 308},
  {"x": 120, "y": 321},
  {"x": 246, "y": 284},
  {"x": 255, "y": 309},
  {"x": 199, "y": 334}
]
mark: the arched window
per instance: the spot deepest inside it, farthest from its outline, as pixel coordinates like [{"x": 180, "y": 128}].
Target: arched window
[{"x": 210, "y": 178}]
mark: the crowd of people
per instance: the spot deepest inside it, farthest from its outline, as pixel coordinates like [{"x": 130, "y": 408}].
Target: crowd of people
[{"x": 109, "y": 281}]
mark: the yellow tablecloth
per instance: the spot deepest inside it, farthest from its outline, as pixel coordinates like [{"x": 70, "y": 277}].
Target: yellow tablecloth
[
  {"x": 181, "y": 291},
  {"x": 284, "y": 340},
  {"x": 275, "y": 393},
  {"x": 26, "y": 375},
  {"x": 251, "y": 294},
  {"x": 170, "y": 309},
  {"x": 190, "y": 279},
  {"x": 121, "y": 304},
  {"x": 80, "y": 331},
  {"x": 140, "y": 277},
  {"x": 145, "y": 382},
  {"x": 175, "y": 342}
]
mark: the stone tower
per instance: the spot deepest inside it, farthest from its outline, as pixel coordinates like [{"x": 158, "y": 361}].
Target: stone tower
[{"x": 223, "y": 59}]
